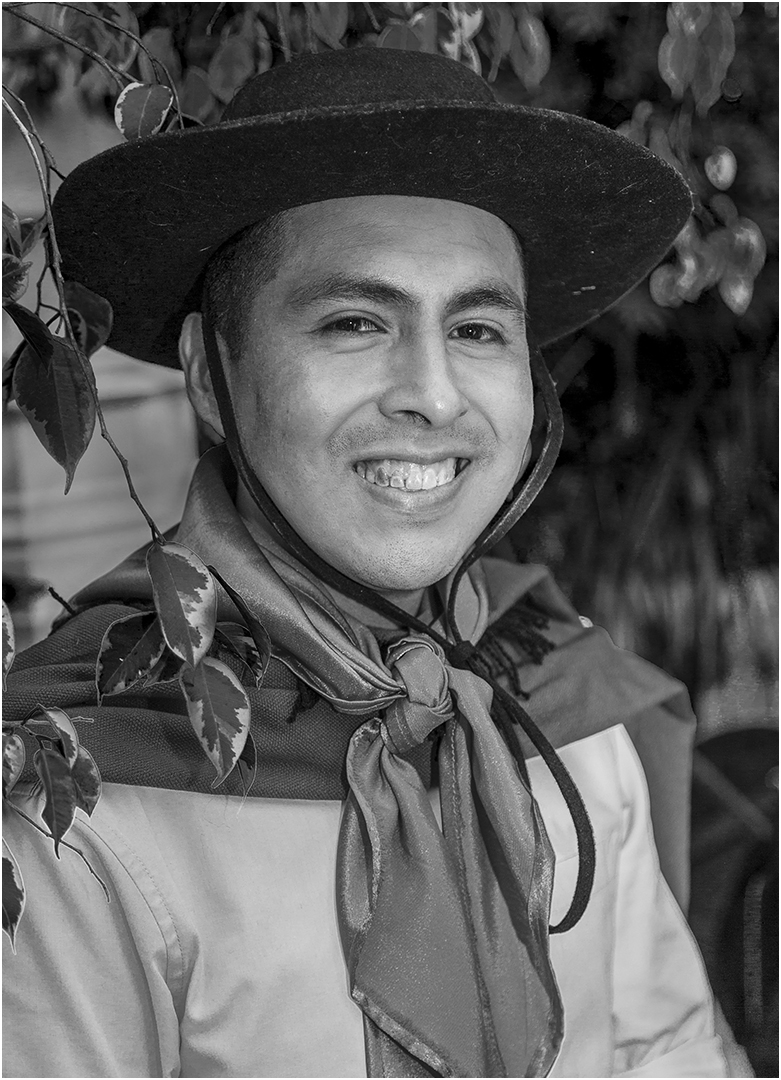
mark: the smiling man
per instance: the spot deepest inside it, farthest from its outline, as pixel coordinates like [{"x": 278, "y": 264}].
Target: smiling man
[
  {"x": 465, "y": 849},
  {"x": 386, "y": 399}
]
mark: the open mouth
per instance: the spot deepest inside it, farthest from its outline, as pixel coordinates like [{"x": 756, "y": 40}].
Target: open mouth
[{"x": 411, "y": 475}]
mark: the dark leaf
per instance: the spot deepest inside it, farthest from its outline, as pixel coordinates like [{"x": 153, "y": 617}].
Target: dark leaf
[
  {"x": 256, "y": 628},
  {"x": 14, "y": 278},
  {"x": 32, "y": 231},
  {"x": 230, "y": 67},
  {"x": 247, "y": 764},
  {"x": 196, "y": 99},
  {"x": 238, "y": 640},
  {"x": 502, "y": 26},
  {"x": 123, "y": 49},
  {"x": 50, "y": 718},
  {"x": 58, "y": 403},
  {"x": 219, "y": 712},
  {"x": 428, "y": 24},
  {"x": 13, "y": 894},
  {"x": 329, "y": 22},
  {"x": 167, "y": 668},
  {"x": 9, "y": 642},
  {"x": 34, "y": 331},
  {"x": 60, "y": 792},
  {"x": 129, "y": 650},
  {"x": 141, "y": 109},
  {"x": 160, "y": 43},
  {"x": 12, "y": 232},
  {"x": 530, "y": 50},
  {"x": 398, "y": 36},
  {"x": 14, "y": 757},
  {"x": 185, "y": 598},
  {"x": 8, "y": 373},
  {"x": 86, "y": 781},
  {"x": 263, "y": 48},
  {"x": 95, "y": 316}
]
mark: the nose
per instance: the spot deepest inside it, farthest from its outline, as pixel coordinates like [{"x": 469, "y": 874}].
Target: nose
[{"x": 421, "y": 381}]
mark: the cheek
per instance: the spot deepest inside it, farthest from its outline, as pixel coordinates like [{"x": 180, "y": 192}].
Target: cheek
[{"x": 509, "y": 406}]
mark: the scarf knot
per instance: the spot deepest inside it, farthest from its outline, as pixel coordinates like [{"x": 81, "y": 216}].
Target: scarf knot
[{"x": 418, "y": 665}]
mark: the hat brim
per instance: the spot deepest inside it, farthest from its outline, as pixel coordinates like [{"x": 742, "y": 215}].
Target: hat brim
[{"x": 594, "y": 211}]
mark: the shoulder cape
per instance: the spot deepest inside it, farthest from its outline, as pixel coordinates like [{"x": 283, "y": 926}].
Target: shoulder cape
[{"x": 584, "y": 684}]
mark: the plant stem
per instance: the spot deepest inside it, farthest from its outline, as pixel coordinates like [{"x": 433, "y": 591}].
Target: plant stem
[
  {"x": 114, "y": 72},
  {"x": 284, "y": 38},
  {"x": 63, "y": 843},
  {"x": 156, "y": 63},
  {"x": 56, "y": 268}
]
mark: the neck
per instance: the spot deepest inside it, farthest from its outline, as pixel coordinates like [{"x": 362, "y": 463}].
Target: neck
[{"x": 413, "y": 601}]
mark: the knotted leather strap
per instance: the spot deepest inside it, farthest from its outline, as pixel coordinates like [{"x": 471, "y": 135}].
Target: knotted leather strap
[{"x": 445, "y": 930}]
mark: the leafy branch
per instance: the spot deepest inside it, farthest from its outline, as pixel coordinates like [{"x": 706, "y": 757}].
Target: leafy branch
[
  {"x": 55, "y": 263},
  {"x": 114, "y": 72}
]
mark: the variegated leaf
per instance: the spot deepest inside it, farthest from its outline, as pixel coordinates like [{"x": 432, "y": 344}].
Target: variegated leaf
[
  {"x": 57, "y": 401},
  {"x": 238, "y": 640},
  {"x": 32, "y": 231},
  {"x": 167, "y": 668},
  {"x": 14, "y": 756},
  {"x": 141, "y": 109},
  {"x": 219, "y": 712},
  {"x": 53, "y": 723},
  {"x": 13, "y": 894},
  {"x": 86, "y": 781},
  {"x": 12, "y": 230},
  {"x": 93, "y": 316},
  {"x": 256, "y": 628},
  {"x": 129, "y": 651},
  {"x": 60, "y": 792},
  {"x": 9, "y": 642},
  {"x": 185, "y": 598}
]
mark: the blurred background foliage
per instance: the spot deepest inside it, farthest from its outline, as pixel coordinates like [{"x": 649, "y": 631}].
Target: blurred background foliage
[{"x": 661, "y": 521}]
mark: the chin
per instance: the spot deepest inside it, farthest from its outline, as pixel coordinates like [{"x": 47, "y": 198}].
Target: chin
[{"x": 405, "y": 571}]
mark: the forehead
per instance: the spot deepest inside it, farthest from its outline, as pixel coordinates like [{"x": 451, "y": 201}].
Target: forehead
[{"x": 433, "y": 233}]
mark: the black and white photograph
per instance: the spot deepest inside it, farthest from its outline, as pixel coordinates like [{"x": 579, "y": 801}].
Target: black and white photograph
[{"x": 390, "y": 540}]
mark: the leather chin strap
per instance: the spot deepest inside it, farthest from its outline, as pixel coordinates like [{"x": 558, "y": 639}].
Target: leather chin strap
[{"x": 506, "y": 711}]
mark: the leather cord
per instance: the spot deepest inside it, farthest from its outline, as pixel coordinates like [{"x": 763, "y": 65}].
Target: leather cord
[{"x": 506, "y": 711}]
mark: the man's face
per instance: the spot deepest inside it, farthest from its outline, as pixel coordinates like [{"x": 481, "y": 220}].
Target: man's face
[{"x": 383, "y": 393}]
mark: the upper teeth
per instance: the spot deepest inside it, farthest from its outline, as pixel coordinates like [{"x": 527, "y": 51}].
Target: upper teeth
[{"x": 409, "y": 475}]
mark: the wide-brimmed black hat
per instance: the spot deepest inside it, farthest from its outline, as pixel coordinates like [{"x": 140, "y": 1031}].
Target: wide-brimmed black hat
[{"x": 594, "y": 211}]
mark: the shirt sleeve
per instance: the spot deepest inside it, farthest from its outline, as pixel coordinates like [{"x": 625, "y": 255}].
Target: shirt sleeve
[
  {"x": 88, "y": 993},
  {"x": 663, "y": 1008}
]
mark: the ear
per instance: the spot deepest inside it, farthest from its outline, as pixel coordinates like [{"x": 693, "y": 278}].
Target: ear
[{"x": 192, "y": 356}]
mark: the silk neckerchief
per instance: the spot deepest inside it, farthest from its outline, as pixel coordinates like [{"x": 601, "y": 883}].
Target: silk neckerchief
[{"x": 444, "y": 930}]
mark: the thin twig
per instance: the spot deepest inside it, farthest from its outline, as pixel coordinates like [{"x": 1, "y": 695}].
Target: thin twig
[
  {"x": 372, "y": 16},
  {"x": 63, "y": 843},
  {"x": 284, "y": 37},
  {"x": 34, "y": 131},
  {"x": 155, "y": 61},
  {"x": 114, "y": 72},
  {"x": 56, "y": 264},
  {"x": 214, "y": 18}
]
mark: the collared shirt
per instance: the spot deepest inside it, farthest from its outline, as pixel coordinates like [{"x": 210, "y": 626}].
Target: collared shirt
[{"x": 219, "y": 953}]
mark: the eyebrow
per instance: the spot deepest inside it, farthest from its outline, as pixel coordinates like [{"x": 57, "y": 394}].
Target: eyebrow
[{"x": 344, "y": 286}]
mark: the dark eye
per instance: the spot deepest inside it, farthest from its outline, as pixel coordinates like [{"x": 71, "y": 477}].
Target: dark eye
[
  {"x": 351, "y": 324},
  {"x": 477, "y": 332}
]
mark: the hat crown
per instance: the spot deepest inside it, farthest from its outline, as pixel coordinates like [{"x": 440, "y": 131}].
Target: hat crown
[{"x": 358, "y": 77}]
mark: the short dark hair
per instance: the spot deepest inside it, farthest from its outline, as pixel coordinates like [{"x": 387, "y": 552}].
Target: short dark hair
[{"x": 246, "y": 262}]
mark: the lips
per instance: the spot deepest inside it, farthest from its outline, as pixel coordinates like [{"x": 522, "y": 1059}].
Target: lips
[{"x": 409, "y": 474}]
